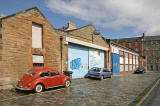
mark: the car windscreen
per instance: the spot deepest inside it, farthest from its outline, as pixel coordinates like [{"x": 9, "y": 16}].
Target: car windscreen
[
  {"x": 95, "y": 69},
  {"x": 31, "y": 73}
]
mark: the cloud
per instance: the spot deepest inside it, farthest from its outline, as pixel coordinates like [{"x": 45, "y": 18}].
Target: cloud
[{"x": 141, "y": 15}]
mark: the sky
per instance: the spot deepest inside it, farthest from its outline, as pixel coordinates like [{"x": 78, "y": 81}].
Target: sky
[{"x": 114, "y": 18}]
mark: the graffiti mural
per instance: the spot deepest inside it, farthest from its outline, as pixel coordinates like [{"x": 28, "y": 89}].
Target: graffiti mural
[{"x": 76, "y": 64}]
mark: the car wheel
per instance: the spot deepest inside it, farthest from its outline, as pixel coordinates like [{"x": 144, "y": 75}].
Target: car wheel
[
  {"x": 39, "y": 88},
  {"x": 68, "y": 83},
  {"x": 102, "y": 77}
]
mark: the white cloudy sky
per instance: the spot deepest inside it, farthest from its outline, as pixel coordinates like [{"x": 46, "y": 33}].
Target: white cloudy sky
[{"x": 141, "y": 15}]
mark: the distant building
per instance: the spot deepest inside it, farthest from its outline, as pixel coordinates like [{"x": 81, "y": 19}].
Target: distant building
[{"x": 147, "y": 46}]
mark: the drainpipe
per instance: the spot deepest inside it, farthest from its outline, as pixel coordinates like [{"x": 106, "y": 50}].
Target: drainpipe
[{"x": 61, "y": 48}]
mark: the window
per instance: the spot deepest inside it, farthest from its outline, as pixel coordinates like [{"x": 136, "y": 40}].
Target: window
[
  {"x": 31, "y": 73},
  {"x": 45, "y": 74},
  {"x": 152, "y": 67},
  {"x": 36, "y": 35},
  {"x": 37, "y": 61},
  {"x": 136, "y": 44},
  {"x": 157, "y": 42},
  {"x": 152, "y": 43},
  {"x": 104, "y": 70},
  {"x": 136, "y": 49},
  {"x": 38, "y": 64},
  {"x": 55, "y": 73},
  {"x": 157, "y": 60}
]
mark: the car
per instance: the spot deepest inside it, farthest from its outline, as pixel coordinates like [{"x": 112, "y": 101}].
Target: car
[
  {"x": 140, "y": 70},
  {"x": 41, "y": 78},
  {"x": 100, "y": 73}
]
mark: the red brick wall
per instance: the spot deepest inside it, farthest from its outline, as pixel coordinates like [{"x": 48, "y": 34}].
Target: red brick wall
[{"x": 17, "y": 44}]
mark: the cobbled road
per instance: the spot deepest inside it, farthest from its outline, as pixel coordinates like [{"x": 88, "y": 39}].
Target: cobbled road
[{"x": 120, "y": 90}]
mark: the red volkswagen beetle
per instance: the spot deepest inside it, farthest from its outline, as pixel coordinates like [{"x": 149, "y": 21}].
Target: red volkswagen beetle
[{"x": 38, "y": 79}]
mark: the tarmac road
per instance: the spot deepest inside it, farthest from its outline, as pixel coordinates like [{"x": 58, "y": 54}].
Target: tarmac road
[{"x": 154, "y": 98}]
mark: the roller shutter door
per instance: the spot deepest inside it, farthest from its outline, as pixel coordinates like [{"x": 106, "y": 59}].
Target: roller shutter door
[{"x": 78, "y": 60}]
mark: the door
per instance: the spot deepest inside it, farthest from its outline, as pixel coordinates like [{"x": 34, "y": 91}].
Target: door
[
  {"x": 157, "y": 68},
  {"x": 55, "y": 79},
  {"x": 115, "y": 63},
  {"x": 96, "y": 58},
  {"x": 78, "y": 60},
  {"x": 45, "y": 77}
]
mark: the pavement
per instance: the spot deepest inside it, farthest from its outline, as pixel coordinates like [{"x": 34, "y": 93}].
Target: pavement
[{"x": 120, "y": 90}]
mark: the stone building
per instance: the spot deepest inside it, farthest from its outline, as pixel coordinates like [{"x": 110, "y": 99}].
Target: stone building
[
  {"x": 147, "y": 46},
  {"x": 151, "y": 49},
  {"x": 27, "y": 39}
]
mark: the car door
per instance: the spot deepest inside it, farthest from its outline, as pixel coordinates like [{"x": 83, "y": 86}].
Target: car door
[
  {"x": 105, "y": 73},
  {"x": 55, "y": 78},
  {"x": 46, "y": 79}
]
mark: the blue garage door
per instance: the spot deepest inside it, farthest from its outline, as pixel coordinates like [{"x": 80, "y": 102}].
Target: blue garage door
[
  {"x": 115, "y": 63},
  {"x": 78, "y": 60},
  {"x": 96, "y": 58}
]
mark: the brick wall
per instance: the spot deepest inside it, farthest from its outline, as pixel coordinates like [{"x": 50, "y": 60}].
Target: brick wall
[
  {"x": 17, "y": 44},
  {"x": 84, "y": 34}
]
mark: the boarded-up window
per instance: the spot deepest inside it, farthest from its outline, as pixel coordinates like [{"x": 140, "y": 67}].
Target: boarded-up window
[
  {"x": 36, "y": 36},
  {"x": 121, "y": 57},
  {"x": 130, "y": 58},
  {"x": 37, "y": 61},
  {"x": 134, "y": 61},
  {"x": 126, "y": 67},
  {"x": 137, "y": 60},
  {"x": 121, "y": 68},
  {"x": 126, "y": 58}
]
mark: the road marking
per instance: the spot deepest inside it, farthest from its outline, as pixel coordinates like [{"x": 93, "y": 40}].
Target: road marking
[
  {"x": 18, "y": 97},
  {"x": 148, "y": 93}
]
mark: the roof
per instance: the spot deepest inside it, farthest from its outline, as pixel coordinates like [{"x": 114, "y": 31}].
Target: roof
[
  {"x": 148, "y": 38},
  {"x": 123, "y": 47},
  {"x": 127, "y": 39},
  {"x": 21, "y": 12}
]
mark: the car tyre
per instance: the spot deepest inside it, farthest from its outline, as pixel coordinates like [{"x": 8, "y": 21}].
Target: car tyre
[
  {"x": 68, "y": 83},
  {"x": 39, "y": 88},
  {"x": 102, "y": 77}
]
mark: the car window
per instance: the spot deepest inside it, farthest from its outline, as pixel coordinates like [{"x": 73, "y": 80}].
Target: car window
[
  {"x": 45, "y": 74},
  {"x": 107, "y": 70},
  {"x": 104, "y": 70},
  {"x": 31, "y": 73},
  {"x": 55, "y": 73},
  {"x": 95, "y": 69}
]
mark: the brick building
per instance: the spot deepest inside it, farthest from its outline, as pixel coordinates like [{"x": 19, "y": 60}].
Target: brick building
[
  {"x": 28, "y": 40},
  {"x": 147, "y": 46},
  {"x": 124, "y": 59}
]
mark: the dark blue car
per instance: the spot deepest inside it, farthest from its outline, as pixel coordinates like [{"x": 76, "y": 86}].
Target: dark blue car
[{"x": 100, "y": 73}]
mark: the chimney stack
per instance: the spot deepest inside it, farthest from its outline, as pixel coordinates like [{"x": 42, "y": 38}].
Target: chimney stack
[
  {"x": 2, "y": 15},
  {"x": 71, "y": 26}
]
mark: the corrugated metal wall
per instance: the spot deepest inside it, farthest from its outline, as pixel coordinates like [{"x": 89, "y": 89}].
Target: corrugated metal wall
[
  {"x": 115, "y": 58},
  {"x": 96, "y": 58},
  {"x": 82, "y": 58},
  {"x": 78, "y": 60}
]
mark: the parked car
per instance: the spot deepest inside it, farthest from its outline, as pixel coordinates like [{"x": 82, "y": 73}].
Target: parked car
[
  {"x": 140, "y": 70},
  {"x": 100, "y": 73},
  {"x": 38, "y": 79}
]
